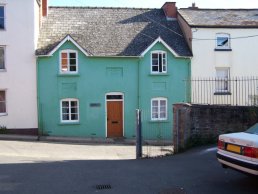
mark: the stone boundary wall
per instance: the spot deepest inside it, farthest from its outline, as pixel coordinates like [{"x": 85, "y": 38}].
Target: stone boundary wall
[{"x": 200, "y": 124}]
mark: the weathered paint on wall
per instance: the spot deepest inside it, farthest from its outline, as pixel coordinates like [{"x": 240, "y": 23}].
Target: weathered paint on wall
[{"x": 98, "y": 76}]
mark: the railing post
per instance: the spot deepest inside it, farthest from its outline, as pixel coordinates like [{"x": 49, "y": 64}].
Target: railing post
[{"x": 138, "y": 134}]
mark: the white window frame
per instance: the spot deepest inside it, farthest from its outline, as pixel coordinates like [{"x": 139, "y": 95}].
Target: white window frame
[
  {"x": 68, "y": 51},
  {"x": 3, "y": 47},
  {"x": 223, "y": 35},
  {"x": 159, "y": 99},
  {"x": 61, "y": 110},
  {"x": 222, "y": 81},
  {"x": 163, "y": 65},
  {"x": 5, "y": 93},
  {"x": 1, "y": 5}
]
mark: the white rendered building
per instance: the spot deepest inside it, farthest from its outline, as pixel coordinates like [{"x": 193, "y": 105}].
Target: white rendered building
[
  {"x": 19, "y": 27},
  {"x": 224, "y": 43}
]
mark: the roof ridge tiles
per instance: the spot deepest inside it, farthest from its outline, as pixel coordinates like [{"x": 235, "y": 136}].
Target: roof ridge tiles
[
  {"x": 220, "y": 9},
  {"x": 89, "y": 7}
]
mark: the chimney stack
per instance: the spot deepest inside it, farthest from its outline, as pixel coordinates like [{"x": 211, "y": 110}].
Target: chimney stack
[
  {"x": 170, "y": 10},
  {"x": 44, "y": 7}
]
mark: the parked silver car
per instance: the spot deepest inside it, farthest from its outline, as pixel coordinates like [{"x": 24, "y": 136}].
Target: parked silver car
[{"x": 240, "y": 150}]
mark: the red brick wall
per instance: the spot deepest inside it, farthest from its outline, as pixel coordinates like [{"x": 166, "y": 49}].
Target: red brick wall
[{"x": 170, "y": 9}]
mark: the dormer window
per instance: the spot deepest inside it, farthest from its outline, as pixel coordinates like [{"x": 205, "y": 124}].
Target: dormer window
[
  {"x": 158, "y": 62},
  {"x": 68, "y": 61},
  {"x": 222, "y": 41}
]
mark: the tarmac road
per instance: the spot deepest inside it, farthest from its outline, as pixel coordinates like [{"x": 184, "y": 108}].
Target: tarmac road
[{"x": 46, "y": 168}]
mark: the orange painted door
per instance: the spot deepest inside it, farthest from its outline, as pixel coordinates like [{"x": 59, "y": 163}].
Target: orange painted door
[{"x": 114, "y": 119}]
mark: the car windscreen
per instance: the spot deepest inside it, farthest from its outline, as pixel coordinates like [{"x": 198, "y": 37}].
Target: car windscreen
[{"x": 253, "y": 129}]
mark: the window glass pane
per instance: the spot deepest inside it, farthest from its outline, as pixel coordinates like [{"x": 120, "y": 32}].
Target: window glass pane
[
  {"x": 1, "y": 11},
  {"x": 155, "y": 115},
  {"x": 73, "y": 68},
  {"x": 72, "y": 55},
  {"x": 155, "y": 62},
  {"x": 154, "y": 109},
  {"x": 64, "y": 56},
  {"x": 155, "y": 56},
  {"x": 1, "y": 23},
  {"x": 162, "y": 109},
  {"x": 74, "y": 117},
  {"x": 110, "y": 97},
  {"x": 162, "y": 102},
  {"x": 74, "y": 110},
  {"x": 163, "y": 115},
  {"x": 65, "y": 110},
  {"x": 64, "y": 62},
  {"x": 2, "y": 66},
  {"x": 72, "y": 61},
  {"x": 2, "y": 102},
  {"x": 65, "y": 117},
  {"x": 73, "y": 103},
  {"x": 222, "y": 41},
  {"x": 155, "y": 68},
  {"x": 2, "y": 96},
  {"x": 65, "y": 104},
  {"x": 2, "y": 107},
  {"x": 155, "y": 103},
  {"x": 222, "y": 83}
]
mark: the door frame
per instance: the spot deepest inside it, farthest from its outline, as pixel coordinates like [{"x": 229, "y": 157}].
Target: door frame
[{"x": 106, "y": 101}]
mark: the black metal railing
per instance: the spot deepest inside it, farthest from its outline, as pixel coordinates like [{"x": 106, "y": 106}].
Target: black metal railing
[{"x": 235, "y": 91}]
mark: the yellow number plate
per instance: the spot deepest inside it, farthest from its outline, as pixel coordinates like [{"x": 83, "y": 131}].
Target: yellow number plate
[{"x": 234, "y": 148}]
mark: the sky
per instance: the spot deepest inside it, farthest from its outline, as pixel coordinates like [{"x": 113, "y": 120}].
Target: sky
[{"x": 253, "y": 4}]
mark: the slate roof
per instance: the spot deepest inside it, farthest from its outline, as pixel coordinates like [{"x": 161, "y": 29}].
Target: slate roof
[
  {"x": 110, "y": 31},
  {"x": 231, "y": 18}
]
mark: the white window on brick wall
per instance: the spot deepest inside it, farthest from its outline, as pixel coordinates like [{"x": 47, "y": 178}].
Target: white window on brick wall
[
  {"x": 159, "y": 108},
  {"x": 2, "y": 58},
  {"x": 2, "y": 102},
  {"x": 222, "y": 79},
  {"x": 68, "y": 61},
  {"x": 69, "y": 110},
  {"x": 158, "y": 62}
]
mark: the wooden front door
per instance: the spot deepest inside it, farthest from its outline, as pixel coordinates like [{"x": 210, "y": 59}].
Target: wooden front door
[{"x": 114, "y": 118}]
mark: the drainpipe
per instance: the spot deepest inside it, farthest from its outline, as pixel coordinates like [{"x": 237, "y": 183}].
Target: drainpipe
[
  {"x": 138, "y": 84},
  {"x": 38, "y": 105}
]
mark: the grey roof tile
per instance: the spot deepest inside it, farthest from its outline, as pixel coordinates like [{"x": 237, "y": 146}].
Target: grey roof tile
[
  {"x": 231, "y": 18},
  {"x": 110, "y": 31}
]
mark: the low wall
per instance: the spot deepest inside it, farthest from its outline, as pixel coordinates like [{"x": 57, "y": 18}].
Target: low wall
[{"x": 200, "y": 124}]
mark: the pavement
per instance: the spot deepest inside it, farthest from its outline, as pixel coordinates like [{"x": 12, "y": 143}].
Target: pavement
[
  {"x": 53, "y": 151},
  {"x": 97, "y": 148}
]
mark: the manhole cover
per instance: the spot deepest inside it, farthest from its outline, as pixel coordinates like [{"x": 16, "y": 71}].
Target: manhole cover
[
  {"x": 102, "y": 187},
  {"x": 173, "y": 191}
]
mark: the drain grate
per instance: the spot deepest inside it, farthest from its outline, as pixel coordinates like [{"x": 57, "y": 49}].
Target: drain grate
[
  {"x": 176, "y": 190},
  {"x": 101, "y": 187}
]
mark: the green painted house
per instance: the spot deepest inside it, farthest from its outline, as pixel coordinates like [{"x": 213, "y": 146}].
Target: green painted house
[{"x": 96, "y": 66}]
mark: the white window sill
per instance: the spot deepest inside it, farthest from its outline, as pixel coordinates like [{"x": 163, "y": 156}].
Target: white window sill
[
  {"x": 2, "y": 70},
  {"x": 159, "y": 121},
  {"x": 222, "y": 49},
  {"x": 158, "y": 74},
  {"x": 70, "y": 123},
  {"x": 3, "y": 114},
  {"x": 68, "y": 75}
]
